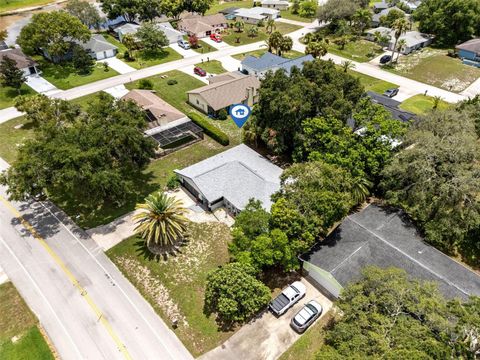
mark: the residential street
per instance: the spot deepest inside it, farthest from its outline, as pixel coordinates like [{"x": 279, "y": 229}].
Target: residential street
[{"x": 88, "y": 309}]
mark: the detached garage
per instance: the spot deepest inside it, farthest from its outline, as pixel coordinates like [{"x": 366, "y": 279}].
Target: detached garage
[{"x": 99, "y": 48}]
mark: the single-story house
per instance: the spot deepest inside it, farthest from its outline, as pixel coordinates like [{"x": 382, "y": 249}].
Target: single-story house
[
  {"x": 202, "y": 26},
  {"x": 414, "y": 40},
  {"x": 392, "y": 106},
  {"x": 223, "y": 91},
  {"x": 469, "y": 52},
  {"x": 127, "y": 28},
  {"x": 167, "y": 125},
  {"x": 107, "y": 23},
  {"x": 230, "y": 179},
  {"x": 172, "y": 34},
  {"x": 256, "y": 14},
  {"x": 23, "y": 62},
  {"x": 99, "y": 48},
  {"x": 411, "y": 5},
  {"x": 384, "y": 237},
  {"x": 384, "y": 12},
  {"x": 229, "y": 12},
  {"x": 381, "y": 5},
  {"x": 252, "y": 65},
  {"x": 275, "y": 4}
]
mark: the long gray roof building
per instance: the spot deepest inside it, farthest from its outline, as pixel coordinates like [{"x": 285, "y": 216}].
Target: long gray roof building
[
  {"x": 232, "y": 178},
  {"x": 384, "y": 237}
]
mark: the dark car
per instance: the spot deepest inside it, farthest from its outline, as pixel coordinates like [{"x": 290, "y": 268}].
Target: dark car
[
  {"x": 385, "y": 59},
  {"x": 391, "y": 92},
  {"x": 199, "y": 71}
]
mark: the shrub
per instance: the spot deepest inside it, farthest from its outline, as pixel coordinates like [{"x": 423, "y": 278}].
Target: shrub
[
  {"x": 222, "y": 114},
  {"x": 145, "y": 84},
  {"x": 172, "y": 82},
  {"x": 261, "y": 23},
  {"x": 126, "y": 55},
  {"x": 105, "y": 66},
  {"x": 209, "y": 129},
  {"x": 234, "y": 294},
  {"x": 173, "y": 182}
]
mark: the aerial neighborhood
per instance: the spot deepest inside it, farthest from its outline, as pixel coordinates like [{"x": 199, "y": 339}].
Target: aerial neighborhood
[{"x": 236, "y": 179}]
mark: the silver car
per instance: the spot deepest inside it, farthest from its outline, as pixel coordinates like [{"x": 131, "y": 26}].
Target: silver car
[{"x": 306, "y": 316}]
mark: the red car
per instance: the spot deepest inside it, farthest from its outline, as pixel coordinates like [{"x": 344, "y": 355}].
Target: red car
[
  {"x": 216, "y": 37},
  {"x": 199, "y": 71}
]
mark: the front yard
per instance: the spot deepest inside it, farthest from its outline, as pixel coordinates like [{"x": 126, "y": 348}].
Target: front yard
[
  {"x": 232, "y": 37},
  {"x": 212, "y": 67},
  {"x": 20, "y": 336},
  {"x": 64, "y": 76},
  {"x": 421, "y": 104},
  {"x": 373, "y": 84},
  {"x": 8, "y": 95},
  {"x": 359, "y": 50},
  {"x": 257, "y": 53},
  {"x": 434, "y": 67},
  {"x": 175, "y": 287}
]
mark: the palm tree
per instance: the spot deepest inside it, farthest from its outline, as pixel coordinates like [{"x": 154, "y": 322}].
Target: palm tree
[
  {"x": 347, "y": 65},
  {"x": 316, "y": 48},
  {"x": 361, "y": 189},
  {"x": 400, "y": 45},
  {"x": 239, "y": 25},
  {"x": 274, "y": 41},
  {"x": 253, "y": 31},
  {"x": 400, "y": 26},
  {"x": 270, "y": 26},
  {"x": 130, "y": 43},
  {"x": 285, "y": 45},
  {"x": 436, "y": 102},
  {"x": 362, "y": 18},
  {"x": 161, "y": 223}
]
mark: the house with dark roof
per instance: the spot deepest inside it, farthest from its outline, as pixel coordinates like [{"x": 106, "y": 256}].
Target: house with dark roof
[
  {"x": 166, "y": 124},
  {"x": 223, "y": 91},
  {"x": 469, "y": 52},
  {"x": 384, "y": 237},
  {"x": 270, "y": 62},
  {"x": 392, "y": 106},
  {"x": 230, "y": 179},
  {"x": 22, "y": 61}
]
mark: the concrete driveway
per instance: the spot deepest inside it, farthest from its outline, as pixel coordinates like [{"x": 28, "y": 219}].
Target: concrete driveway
[
  {"x": 189, "y": 71},
  {"x": 185, "y": 53},
  {"x": 220, "y": 45},
  {"x": 230, "y": 63},
  {"x": 266, "y": 337},
  {"x": 118, "y": 65},
  {"x": 41, "y": 85}
]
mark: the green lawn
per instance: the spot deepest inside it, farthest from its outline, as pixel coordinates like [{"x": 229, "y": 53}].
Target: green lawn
[
  {"x": 359, "y": 50},
  {"x": 257, "y": 53},
  {"x": 216, "y": 7},
  {"x": 232, "y": 37},
  {"x": 11, "y": 137},
  {"x": 8, "y": 5},
  {"x": 144, "y": 59},
  {"x": 421, "y": 104},
  {"x": 18, "y": 321},
  {"x": 287, "y": 14},
  {"x": 373, "y": 84},
  {"x": 175, "y": 287},
  {"x": 310, "y": 343},
  {"x": 8, "y": 95},
  {"x": 204, "y": 47},
  {"x": 64, "y": 75},
  {"x": 212, "y": 67},
  {"x": 434, "y": 67}
]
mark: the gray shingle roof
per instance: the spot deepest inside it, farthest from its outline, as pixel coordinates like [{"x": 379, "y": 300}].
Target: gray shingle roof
[
  {"x": 97, "y": 43},
  {"x": 384, "y": 237},
  {"x": 392, "y": 106},
  {"x": 472, "y": 45},
  {"x": 269, "y": 61},
  {"x": 237, "y": 175}
]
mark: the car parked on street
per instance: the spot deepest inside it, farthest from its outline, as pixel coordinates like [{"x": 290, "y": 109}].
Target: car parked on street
[
  {"x": 183, "y": 44},
  {"x": 216, "y": 37},
  {"x": 310, "y": 312},
  {"x": 385, "y": 59},
  {"x": 391, "y": 92},
  {"x": 287, "y": 298},
  {"x": 199, "y": 71}
]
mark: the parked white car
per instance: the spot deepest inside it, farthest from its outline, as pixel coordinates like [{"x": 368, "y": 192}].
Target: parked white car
[
  {"x": 310, "y": 312},
  {"x": 287, "y": 298}
]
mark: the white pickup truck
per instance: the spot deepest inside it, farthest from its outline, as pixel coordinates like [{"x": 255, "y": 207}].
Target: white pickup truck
[{"x": 287, "y": 298}]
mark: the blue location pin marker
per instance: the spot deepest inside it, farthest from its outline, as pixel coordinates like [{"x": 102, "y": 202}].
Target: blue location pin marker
[{"x": 240, "y": 114}]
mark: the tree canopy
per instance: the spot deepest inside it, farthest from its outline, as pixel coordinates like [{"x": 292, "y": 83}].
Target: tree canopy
[
  {"x": 335, "y": 10},
  {"x": 86, "y": 12},
  {"x": 451, "y": 21},
  {"x": 151, "y": 37},
  {"x": 52, "y": 32},
  {"x": 91, "y": 156},
  {"x": 436, "y": 180},
  {"x": 10, "y": 75},
  {"x": 386, "y": 315}
]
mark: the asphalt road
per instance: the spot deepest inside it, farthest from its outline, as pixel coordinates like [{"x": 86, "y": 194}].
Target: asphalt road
[{"x": 88, "y": 309}]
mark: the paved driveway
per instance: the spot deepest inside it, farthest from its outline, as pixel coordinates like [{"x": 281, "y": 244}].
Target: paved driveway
[
  {"x": 41, "y": 85},
  {"x": 230, "y": 63},
  {"x": 185, "y": 53},
  {"x": 189, "y": 71},
  {"x": 220, "y": 45},
  {"x": 267, "y": 337},
  {"x": 118, "y": 65}
]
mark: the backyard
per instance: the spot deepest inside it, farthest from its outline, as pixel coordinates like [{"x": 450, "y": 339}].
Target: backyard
[
  {"x": 175, "y": 287},
  {"x": 64, "y": 75},
  {"x": 20, "y": 336},
  {"x": 232, "y": 37},
  {"x": 434, "y": 67},
  {"x": 421, "y": 104},
  {"x": 8, "y": 95},
  {"x": 143, "y": 59}
]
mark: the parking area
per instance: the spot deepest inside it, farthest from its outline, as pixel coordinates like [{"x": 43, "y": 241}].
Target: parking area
[
  {"x": 217, "y": 45},
  {"x": 266, "y": 337},
  {"x": 189, "y": 71}
]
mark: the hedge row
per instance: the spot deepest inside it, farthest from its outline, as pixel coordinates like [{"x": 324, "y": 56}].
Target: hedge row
[{"x": 209, "y": 129}]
